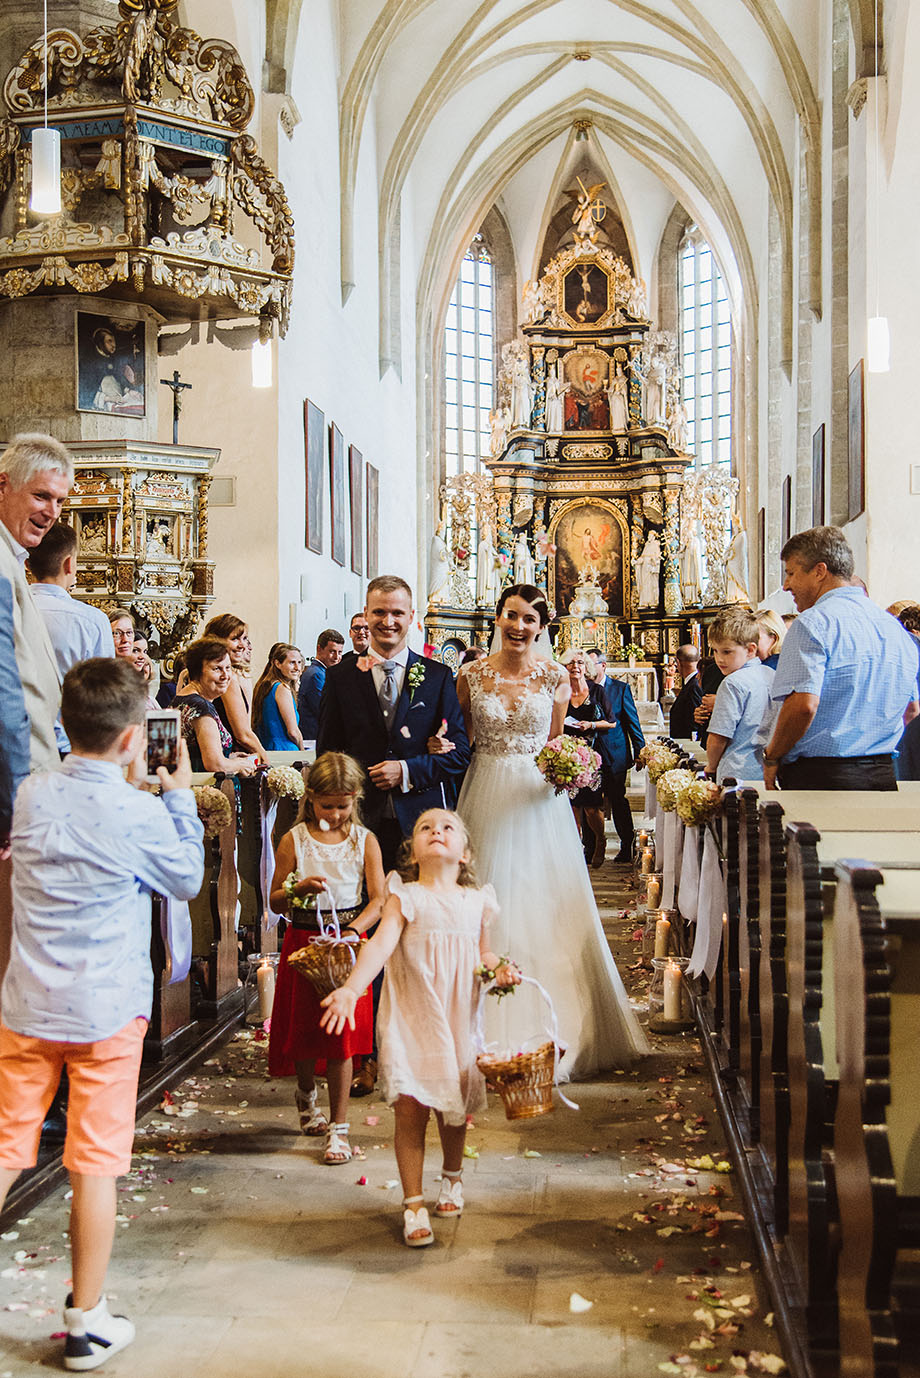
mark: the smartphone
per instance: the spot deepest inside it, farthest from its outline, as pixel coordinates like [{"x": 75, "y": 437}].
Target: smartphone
[{"x": 162, "y": 741}]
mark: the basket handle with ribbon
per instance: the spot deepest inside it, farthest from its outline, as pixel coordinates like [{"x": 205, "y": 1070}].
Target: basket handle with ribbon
[
  {"x": 330, "y": 933},
  {"x": 550, "y": 1028}
]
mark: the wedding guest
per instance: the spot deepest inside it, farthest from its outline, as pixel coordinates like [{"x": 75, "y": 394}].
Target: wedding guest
[
  {"x": 846, "y": 680},
  {"x": 123, "y": 633},
  {"x": 681, "y": 722},
  {"x": 88, "y": 852},
  {"x": 328, "y": 653},
  {"x": 473, "y": 653},
  {"x": 772, "y": 635},
  {"x": 596, "y": 661},
  {"x": 235, "y": 705},
  {"x": 360, "y": 634},
  {"x": 77, "y": 631},
  {"x": 742, "y": 699},
  {"x": 209, "y": 743},
  {"x": 619, "y": 741},
  {"x": 167, "y": 690},
  {"x": 582, "y": 717},
  {"x": 35, "y": 477},
  {"x": 274, "y": 701}
]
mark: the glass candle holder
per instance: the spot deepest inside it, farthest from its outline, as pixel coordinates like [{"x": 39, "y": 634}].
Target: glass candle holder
[
  {"x": 259, "y": 986},
  {"x": 647, "y": 891},
  {"x": 658, "y": 934},
  {"x": 669, "y": 1006}
]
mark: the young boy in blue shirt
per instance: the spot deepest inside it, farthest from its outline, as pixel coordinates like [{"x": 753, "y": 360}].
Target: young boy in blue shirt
[
  {"x": 88, "y": 849},
  {"x": 742, "y": 698}
]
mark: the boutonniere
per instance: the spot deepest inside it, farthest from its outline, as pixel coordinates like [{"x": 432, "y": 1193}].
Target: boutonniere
[{"x": 415, "y": 676}]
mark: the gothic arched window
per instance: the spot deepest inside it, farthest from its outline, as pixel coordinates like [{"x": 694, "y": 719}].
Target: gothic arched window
[
  {"x": 469, "y": 348},
  {"x": 705, "y": 352}
]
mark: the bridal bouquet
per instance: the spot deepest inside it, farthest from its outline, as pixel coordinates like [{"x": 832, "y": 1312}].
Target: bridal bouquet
[{"x": 569, "y": 765}]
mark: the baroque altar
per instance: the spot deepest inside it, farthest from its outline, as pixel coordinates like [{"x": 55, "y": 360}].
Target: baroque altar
[{"x": 583, "y": 491}]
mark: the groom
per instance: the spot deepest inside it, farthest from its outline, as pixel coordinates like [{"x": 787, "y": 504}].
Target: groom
[{"x": 382, "y": 707}]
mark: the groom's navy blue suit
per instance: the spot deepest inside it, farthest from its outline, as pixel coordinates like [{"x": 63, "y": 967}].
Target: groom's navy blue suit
[{"x": 351, "y": 720}]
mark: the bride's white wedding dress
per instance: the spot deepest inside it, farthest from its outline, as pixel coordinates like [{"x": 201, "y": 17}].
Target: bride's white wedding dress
[{"x": 526, "y": 844}]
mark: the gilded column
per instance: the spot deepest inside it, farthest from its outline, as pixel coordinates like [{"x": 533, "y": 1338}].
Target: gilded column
[
  {"x": 673, "y": 602},
  {"x": 538, "y": 374}
]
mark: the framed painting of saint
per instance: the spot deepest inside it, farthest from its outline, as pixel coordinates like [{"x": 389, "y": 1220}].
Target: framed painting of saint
[
  {"x": 110, "y": 365},
  {"x": 356, "y": 495},
  {"x": 589, "y": 550},
  {"x": 373, "y": 516},
  {"x": 314, "y": 455},
  {"x": 337, "y": 490}
]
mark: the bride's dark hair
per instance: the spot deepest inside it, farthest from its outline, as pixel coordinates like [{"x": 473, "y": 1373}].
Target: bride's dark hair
[{"x": 530, "y": 594}]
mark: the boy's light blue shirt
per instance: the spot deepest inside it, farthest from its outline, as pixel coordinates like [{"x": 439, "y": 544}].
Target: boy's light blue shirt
[
  {"x": 742, "y": 699},
  {"x": 88, "y": 849}
]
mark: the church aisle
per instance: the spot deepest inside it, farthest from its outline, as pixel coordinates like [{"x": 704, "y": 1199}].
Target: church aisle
[{"x": 238, "y": 1251}]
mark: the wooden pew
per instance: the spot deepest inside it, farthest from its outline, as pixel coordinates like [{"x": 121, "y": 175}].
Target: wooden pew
[
  {"x": 877, "y": 1120},
  {"x": 750, "y": 954},
  {"x": 831, "y": 812},
  {"x": 812, "y": 1072},
  {"x": 214, "y": 912}
]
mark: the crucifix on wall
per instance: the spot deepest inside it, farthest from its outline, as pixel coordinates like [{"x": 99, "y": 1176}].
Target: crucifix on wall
[{"x": 176, "y": 386}]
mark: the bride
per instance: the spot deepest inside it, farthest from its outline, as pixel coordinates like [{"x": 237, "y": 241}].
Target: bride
[{"x": 526, "y": 844}]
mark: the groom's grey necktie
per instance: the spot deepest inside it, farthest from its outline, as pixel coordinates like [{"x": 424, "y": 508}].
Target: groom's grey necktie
[{"x": 389, "y": 692}]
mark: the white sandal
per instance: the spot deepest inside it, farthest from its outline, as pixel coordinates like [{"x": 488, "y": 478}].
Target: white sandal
[
  {"x": 415, "y": 1221},
  {"x": 450, "y": 1198},
  {"x": 338, "y": 1149},
  {"x": 312, "y": 1120}
]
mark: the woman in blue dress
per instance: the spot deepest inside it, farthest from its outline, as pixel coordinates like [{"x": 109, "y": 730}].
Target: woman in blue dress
[{"x": 274, "y": 701}]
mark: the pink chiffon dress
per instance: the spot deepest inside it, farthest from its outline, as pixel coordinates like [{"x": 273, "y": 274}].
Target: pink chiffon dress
[{"x": 427, "y": 1016}]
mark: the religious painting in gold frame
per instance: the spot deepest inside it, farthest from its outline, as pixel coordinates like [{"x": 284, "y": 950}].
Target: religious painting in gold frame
[
  {"x": 590, "y": 537},
  {"x": 586, "y": 293}
]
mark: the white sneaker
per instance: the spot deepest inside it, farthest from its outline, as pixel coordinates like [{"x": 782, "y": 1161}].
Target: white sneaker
[{"x": 93, "y": 1336}]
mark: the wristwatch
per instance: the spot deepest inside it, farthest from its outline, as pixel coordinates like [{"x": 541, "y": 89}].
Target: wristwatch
[{"x": 771, "y": 760}]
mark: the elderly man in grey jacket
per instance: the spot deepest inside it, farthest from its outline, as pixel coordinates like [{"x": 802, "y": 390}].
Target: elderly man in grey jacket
[{"x": 36, "y": 474}]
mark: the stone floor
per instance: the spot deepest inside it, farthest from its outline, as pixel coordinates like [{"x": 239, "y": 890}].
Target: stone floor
[{"x": 605, "y": 1242}]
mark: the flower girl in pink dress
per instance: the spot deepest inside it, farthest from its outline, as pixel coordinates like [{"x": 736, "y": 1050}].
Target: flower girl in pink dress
[{"x": 432, "y": 938}]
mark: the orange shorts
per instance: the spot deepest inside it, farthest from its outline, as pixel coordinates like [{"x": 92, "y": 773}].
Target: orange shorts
[{"x": 102, "y": 1105}]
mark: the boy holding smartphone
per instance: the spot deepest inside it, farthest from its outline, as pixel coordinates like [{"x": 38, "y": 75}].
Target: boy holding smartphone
[{"x": 88, "y": 849}]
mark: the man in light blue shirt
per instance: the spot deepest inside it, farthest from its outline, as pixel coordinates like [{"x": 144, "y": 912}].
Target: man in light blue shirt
[
  {"x": 14, "y": 720},
  {"x": 846, "y": 681}
]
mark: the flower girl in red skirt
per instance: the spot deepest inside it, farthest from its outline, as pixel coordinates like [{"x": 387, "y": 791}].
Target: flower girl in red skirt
[{"x": 327, "y": 852}]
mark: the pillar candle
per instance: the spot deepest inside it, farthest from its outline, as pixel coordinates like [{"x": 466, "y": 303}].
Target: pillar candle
[
  {"x": 653, "y": 900},
  {"x": 648, "y": 862},
  {"x": 266, "y": 978},
  {"x": 662, "y": 936},
  {"x": 643, "y": 838},
  {"x": 673, "y": 977}
]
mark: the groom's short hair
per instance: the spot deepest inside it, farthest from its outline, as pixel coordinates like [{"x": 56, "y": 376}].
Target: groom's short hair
[{"x": 388, "y": 583}]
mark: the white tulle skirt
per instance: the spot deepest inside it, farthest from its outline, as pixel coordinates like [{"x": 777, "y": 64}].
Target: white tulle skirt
[{"x": 526, "y": 844}]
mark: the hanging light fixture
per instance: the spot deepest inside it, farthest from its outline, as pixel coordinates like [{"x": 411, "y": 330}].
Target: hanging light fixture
[
  {"x": 262, "y": 355},
  {"x": 878, "y": 338},
  {"x": 46, "y": 157}
]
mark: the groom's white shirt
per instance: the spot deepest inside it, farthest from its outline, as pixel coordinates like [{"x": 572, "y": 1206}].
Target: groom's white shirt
[{"x": 402, "y": 659}]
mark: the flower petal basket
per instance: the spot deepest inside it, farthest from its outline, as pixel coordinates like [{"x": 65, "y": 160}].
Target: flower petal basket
[
  {"x": 328, "y": 960},
  {"x": 524, "y": 1082}
]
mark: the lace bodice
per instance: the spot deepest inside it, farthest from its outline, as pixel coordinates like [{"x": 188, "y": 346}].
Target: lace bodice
[{"x": 515, "y": 723}]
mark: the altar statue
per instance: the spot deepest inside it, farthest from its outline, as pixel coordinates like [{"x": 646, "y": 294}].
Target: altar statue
[
  {"x": 647, "y": 568},
  {"x": 737, "y": 576},
  {"x": 524, "y": 570},
  {"x": 438, "y": 567},
  {"x": 486, "y": 590},
  {"x": 531, "y": 302},
  {"x": 656, "y": 391},
  {"x": 588, "y": 600},
  {"x": 691, "y": 569},
  {"x": 677, "y": 428},
  {"x": 498, "y": 420},
  {"x": 618, "y": 401},
  {"x": 555, "y": 395},
  {"x": 637, "y": 306},
  {"x": 521, "y": 396}
]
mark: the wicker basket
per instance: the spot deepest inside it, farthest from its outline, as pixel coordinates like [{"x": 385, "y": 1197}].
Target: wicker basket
[
  {"x": 327, "y": 962},
  {"x": 525, "y": 1082}
]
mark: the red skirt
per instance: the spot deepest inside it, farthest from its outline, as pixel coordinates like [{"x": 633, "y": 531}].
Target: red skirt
[{"x": 295, "y": 1034}]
